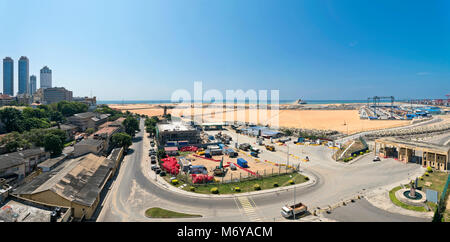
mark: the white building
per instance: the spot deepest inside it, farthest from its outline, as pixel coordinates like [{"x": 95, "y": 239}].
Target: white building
[{"x": 46, "y": 77}]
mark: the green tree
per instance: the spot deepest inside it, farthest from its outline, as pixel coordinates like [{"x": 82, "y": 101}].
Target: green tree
[
  {"x": 131, "y": 125},
  {"x": 33, "y": 123},
  {"x": 11, "y": 117},
  {"x": 13, "y": 141},
  {"x": 89, "y": 131},
  {"x": 53, "y": 144},
  {"x": 121, "y": 140}
]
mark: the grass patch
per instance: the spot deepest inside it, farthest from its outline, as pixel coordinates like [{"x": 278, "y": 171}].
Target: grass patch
[
  {"x": 163, "y": 213},
  {"x": 249, "y": 186},
  {"x": 403, "y": 205},
  {"x": 69, "y": 143}
]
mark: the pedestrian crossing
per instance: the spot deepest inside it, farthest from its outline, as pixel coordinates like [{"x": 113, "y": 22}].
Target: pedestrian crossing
[{"x": 249, "y": 209}]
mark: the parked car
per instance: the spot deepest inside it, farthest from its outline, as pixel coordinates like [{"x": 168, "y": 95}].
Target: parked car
[
  {"x": 376, "y": 158},
  {"x": 154, "y": 167},
  {"x": 162, "y": 173},
  {"x": 158, "y": 170}
]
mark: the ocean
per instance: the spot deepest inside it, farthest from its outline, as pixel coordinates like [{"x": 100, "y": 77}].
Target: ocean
[{"x": 281, "y": 101}]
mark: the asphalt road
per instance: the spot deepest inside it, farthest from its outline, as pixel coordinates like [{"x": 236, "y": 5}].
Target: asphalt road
[
  {"x": 363, "y": 211},
  {"x": 133, "y": 192}
]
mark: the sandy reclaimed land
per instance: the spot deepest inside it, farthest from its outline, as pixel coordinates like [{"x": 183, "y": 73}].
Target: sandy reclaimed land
[{"x": 340, "y": 120}]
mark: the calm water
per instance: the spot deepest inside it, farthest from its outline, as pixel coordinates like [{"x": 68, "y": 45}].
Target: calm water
[{"x": 281, "y": 101}]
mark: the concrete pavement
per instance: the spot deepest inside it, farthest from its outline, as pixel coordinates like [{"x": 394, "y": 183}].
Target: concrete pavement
[{"x": 134, "y": 189}]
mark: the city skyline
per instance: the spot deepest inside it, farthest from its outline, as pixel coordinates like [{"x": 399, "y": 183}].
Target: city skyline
[
  {"x": 310, "y": 50},
  {"x": 23, "y": 78}
]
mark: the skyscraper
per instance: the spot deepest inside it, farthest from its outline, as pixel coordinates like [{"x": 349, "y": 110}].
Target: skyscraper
[
  {"x": 33, "y": 83},
  {"x": 8, "y": 76},
  {"x": 46, "y": 78},
  {"x": 24, "y": 75}
]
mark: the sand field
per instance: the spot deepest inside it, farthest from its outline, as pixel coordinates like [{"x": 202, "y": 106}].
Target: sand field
[{"x": 340, "y": 120}]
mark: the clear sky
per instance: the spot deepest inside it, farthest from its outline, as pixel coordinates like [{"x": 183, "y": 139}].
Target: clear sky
[{"x": 314, "y": 49}]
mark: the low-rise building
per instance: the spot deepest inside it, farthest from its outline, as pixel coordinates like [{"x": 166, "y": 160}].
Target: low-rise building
[
  {"x": 177, "y": 131},
  {"x": 6, "y": 100},
  {"x": 105, "y": 134},
  {"x": 89, "y": 145},
  {"x": 69, "y": 129},
  {"x": 22, "y": 162},
  {"x": 88, "y": 120},
  {"x": 51, "y": 164},
  {"x": 75, "y": 184}
]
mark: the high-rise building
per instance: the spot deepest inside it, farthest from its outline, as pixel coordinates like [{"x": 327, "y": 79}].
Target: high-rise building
[
  {"x": 46, "y": 77},
  {"x": 8, "y": 76},
  {"x": 24, "y": 75},
  {"x": 33, "y": 83}
]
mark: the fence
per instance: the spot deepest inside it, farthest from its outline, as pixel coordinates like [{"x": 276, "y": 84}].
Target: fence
[
  {"x": 442, "y": 202},
  {"x": 240, "y": 177}
]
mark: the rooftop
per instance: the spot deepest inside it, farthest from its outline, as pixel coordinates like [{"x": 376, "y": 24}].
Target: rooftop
[
  {"x": 78, "y": 180},
  {"x": 52, "y": 162},
  {"x": 15, "y": 211},
  {"x": 16, "y": 158},
  {"x": 106, "y": 130},
  {"x": 85, "y": 115},
  {"x": 174, "y": 126},
  {"x": 90, "y": 141}
]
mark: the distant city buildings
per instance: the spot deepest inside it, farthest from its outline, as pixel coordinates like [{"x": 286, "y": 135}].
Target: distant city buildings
[
  {"x": 46, "y": 77},
  {"x": 56, "y": 94},
  {"x": 28, "y": 90},
  {"x": 33, "y": 83},
  {"x": 24, "y": 75},
  {"x": 8, "y": 76}
]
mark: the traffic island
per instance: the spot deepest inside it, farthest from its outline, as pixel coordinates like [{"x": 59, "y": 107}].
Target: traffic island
[
  {"x": 253, "y": 185},
  {"x": 163, "y": 213},
  {"x": 393, "y": 196}
]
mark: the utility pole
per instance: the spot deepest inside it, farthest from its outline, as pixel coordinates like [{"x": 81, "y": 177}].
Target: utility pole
[
  {"x": 293, "y": 211},
  {"x": 287, "y": 162}
]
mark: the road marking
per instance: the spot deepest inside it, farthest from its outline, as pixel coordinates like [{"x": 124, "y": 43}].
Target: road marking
[{"x": 249, "y": 209}]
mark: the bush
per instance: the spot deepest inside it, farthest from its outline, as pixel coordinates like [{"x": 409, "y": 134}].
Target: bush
[
  {"x": 426, "y": 174},
  {"x": 421, "y": 177},
  {"x": 192, "y": 189},
  {"x": 361, "y": 153},
  {"x": 291, "y": 182},
  {"x": 275, "y": 184},
  {"x": 174, "y": 181},
  {"x": 257, "y": 187},
  {"x": 214, "y": 190},
  {"x": 429, "y": 169},
  {"x": 354, "y": 155},
  {"x": 306, "y": 178},
  {"x": 237, "y": 189}
]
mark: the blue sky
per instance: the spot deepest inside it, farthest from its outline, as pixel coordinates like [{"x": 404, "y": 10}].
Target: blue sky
[{"x": 315, "y": 49}]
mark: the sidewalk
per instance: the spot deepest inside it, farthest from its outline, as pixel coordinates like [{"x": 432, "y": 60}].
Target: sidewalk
[{"x": 380, "y": 198}]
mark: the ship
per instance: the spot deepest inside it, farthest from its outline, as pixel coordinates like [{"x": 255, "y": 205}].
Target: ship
[{"x": 300, "y": 101}]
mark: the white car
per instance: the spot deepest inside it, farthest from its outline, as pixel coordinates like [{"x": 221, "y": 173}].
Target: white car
[{"x": 376, "y": 158}]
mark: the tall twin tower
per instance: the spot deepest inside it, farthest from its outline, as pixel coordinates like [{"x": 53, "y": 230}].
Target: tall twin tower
[{"x": 27, "y": 83}]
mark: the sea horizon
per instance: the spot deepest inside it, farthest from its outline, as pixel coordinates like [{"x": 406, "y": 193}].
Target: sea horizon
[{"x": 288, "y": 101}]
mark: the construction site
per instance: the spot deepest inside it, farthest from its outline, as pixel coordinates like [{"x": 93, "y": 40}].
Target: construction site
[{"x": 385, "y": 108}]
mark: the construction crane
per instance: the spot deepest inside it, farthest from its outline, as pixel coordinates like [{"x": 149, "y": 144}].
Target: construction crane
[{"x": 376, "y": 102}]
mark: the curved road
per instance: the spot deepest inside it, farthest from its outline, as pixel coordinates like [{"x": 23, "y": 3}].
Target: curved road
[{"x": 133, "y": 192}]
